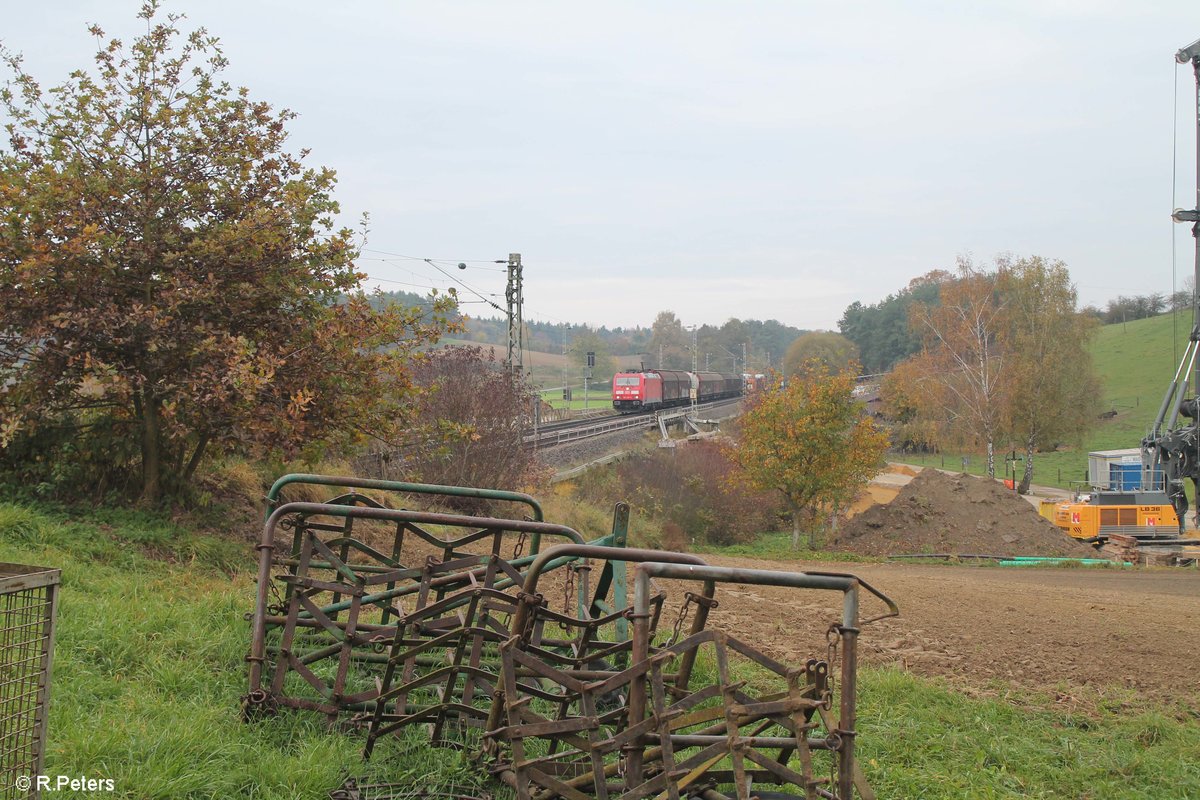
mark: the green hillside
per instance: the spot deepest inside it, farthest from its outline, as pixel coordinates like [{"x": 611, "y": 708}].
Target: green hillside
[{"x": 1136, "y": 361}]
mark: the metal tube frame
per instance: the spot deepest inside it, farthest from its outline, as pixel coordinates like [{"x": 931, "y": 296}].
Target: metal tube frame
[
  {"x": 849, "y": 629},
  {"x": 645, "y": 736},
  {"x": 266, "y": 549}
]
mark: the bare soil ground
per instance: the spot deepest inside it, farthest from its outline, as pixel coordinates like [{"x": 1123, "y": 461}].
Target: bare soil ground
[{"x": 1082, "y": 635}]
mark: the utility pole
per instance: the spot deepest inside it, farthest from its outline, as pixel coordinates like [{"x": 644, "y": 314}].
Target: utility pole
[
  {"x": 1191, "y": 53},
  {"x": 745, "y": 366},
  {"x": 660, "y": 351},
  {"x": 512, "y": 293},
  {"x": 587, "y": 376},
  {"x": 695, "y": 381},
  {"x": 562, "y": 343}
]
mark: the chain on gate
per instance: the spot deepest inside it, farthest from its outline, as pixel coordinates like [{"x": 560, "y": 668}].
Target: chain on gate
[
  {"x": 684, "y": 610},
  {"x": 833, "y": 638},
  {"x": 568, "y": 594}
]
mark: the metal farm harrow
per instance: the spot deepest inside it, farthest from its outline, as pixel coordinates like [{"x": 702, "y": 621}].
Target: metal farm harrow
[
  {"x": 443, "y": 625},
  {"x": 320, "y": 627},
  {"x": 696, "y": 722}
]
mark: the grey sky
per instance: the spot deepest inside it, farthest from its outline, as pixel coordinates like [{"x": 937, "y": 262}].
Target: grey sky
[{"x": 753, "y": 160}]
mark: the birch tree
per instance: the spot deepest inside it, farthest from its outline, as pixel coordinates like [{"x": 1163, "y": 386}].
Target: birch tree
[{"x": 961, "y": 349}]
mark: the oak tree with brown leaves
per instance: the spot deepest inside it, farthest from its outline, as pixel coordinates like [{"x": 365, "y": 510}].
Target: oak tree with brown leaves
[{"x": 172, "y": 278}]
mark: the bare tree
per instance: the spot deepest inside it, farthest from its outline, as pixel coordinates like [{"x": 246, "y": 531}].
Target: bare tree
[{"x": 469, "y": 422}]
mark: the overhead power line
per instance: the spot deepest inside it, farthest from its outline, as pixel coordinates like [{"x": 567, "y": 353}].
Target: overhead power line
[
  {"x": 451, "y": 261},
  {"x": 455, "y": 279}
]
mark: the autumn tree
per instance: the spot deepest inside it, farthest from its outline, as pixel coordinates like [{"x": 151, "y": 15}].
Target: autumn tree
[
  {"x": 832, "y": 349},
  {"x": 172, "y": 277},
  {"x": 1054, "y": 391},
  {"x": 468, "y": 424},
  {"x": 908, "y": 394},
  {"x": 812, "y": 442},
  {"x": 961, "y": 351}
]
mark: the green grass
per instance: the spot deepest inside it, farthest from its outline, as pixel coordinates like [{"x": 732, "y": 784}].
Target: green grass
[
  {"x": 777, "y": 546},
  {"x": 595, "y": 399},
  {"x": 149, "y": 668},
  {"x": 1136, "y": 362},
  {"x": 922, "y": 739}
]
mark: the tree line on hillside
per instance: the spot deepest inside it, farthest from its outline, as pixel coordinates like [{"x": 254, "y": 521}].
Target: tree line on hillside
[
  {"x": 882, "y": 331},
  {"x": 1128, "y": 308},
  {"x": 735, "y": 346},
  {"x": 884, "y": 337}
]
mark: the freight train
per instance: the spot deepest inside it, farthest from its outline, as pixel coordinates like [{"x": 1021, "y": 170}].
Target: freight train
[{"x": 663, "y": 388}]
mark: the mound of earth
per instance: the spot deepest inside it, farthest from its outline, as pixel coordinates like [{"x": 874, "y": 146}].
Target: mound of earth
[{"x": 956, "y": 514}]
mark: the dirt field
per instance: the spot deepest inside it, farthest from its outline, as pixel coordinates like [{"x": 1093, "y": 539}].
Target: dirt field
[{"x": 1082, "y": 635}]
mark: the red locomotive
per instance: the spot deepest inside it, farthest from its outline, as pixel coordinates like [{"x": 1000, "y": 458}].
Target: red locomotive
[{"x": 663, "y": 388}]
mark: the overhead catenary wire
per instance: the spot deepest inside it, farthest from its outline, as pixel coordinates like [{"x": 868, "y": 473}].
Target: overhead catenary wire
[
  {"x": 466, "y": 286},
  {"x": 451, "y": 261},
  {"x": 432, "y": 262},
  {"x": 428, "y": 286}
]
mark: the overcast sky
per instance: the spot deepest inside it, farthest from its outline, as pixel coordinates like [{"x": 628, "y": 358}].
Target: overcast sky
[{"x": 756, "y": 160}]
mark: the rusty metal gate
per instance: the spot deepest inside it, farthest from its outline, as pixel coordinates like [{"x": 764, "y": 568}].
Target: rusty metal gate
[
  {"x": 692, "y": 723},
  {"x": 441, "y": 624},
  {"x": 320, "y": 627}
]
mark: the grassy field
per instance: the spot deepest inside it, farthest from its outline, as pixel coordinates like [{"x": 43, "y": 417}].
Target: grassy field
[
  {"x": 149, "y": 669},
  {"x": 1136, "y": 361},
  {"x": 595, "y": 398}
]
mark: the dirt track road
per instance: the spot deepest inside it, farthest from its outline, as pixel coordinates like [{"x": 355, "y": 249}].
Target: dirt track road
[{"x": 1078, "y": 633}]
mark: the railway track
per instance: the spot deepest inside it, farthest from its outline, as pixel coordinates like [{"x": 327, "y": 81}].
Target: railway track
[{"x": 559, "y": 433}]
